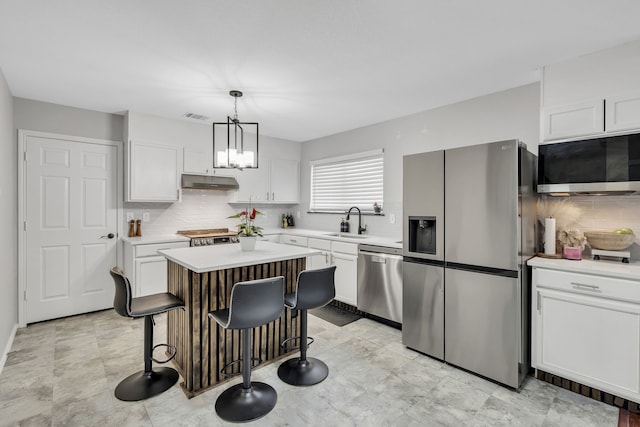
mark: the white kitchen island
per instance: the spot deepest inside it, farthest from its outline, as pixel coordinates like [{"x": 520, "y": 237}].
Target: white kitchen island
[{"x": 203, "y": 277}]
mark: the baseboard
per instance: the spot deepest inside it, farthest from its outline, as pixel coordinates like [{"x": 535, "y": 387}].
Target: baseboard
[{"x": 7, "y": 348}]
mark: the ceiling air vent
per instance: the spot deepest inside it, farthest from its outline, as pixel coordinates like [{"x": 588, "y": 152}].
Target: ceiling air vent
[{"x": 195, "y": 116}]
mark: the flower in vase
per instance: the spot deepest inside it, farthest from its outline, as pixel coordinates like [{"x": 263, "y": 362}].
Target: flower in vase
[{"x": 247, "y": 226}]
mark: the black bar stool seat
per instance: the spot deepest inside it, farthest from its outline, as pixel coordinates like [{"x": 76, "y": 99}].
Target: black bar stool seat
[
  {"x": 150, "y": 382},
  {"x": 252, "y": 304},
  {"x": 315, "y": 288}
]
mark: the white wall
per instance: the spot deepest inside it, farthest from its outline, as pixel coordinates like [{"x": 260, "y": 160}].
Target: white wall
[
  {"x": 46, "y": 117},
  {"x": 8, "y": 219},
  {"x": 511, "y": 114}
]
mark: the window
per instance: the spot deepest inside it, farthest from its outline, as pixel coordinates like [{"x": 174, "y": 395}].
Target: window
[{"x": 339, "y": 183}]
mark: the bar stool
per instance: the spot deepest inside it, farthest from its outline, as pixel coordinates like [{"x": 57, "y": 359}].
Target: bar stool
[
  {"x": 253, "y": 303},
  {"x": 148, "y": 383},
  {"x": 315, "y": 288}
]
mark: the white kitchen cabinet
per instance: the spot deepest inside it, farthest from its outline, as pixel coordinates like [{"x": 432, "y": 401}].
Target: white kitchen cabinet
[
  {"x": 622, "y": 113},
  {"x": 197, "y": 162},
  {"x": 587, "y": 329},
  {"x": 570, "y": 121},
  {"x": 284, "y": 181},
  {"x": 322, "y": 260},
  {"x": 346, "y": 278},
  {"x": 274, "y": 182},
  {"x": 345, "y": 257},
  {"x": 594, "y": 94},
  {"x": 152, "y": 172},
  {"x": 145, "y": 268}
]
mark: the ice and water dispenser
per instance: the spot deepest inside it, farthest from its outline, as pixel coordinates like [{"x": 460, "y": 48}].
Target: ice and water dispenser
[{"x": 422, "y": 234}]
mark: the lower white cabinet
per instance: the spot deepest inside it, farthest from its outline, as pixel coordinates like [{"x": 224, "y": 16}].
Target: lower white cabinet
[
  {"x": 344, "y": 255},
  {"x": 324, "y": 259},
  {"x": 587, "y": 329},
  {"x": 145, "y": 268},
  {"x": 346, "y": 278}
]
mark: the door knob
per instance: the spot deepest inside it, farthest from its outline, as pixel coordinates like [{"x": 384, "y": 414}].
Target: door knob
[{"x": 108, "y": 236}]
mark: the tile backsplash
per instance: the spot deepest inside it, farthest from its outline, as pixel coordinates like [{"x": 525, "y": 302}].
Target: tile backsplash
[
  {"x": 608, "y": 213},
  {"x": 198, "y": 209}
]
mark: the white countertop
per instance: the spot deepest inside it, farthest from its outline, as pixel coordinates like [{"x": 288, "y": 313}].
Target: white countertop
[
  {"x": 158, "y": 238},
  {"x": 218, "y": 257},
  {"x": 366, "y": 239},
  {"x": 601, "y": 267}
]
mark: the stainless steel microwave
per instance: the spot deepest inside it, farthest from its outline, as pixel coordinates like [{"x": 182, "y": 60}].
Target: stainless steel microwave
[{"x": 609, "y": 165}]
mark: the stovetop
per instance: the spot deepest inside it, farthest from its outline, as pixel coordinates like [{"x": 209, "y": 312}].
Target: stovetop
[{"x": 209, "y": 232}]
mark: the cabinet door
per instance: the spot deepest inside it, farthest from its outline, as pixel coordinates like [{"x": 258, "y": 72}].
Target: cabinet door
[
  {"x": 575, "y": 120},
  {"x": 346, "y": 278},
  {"x": 151, "y": 275},
  {"x": 254, "y": 185},
  {"x": 153, "y": 172},
  {"x": 319, "y": 261},
  {"x": 197, "y": 162},
  {"x": 623, "y": 113},
  {"x": 594, "y": 341},
  {"x": 284, "y": 181}
]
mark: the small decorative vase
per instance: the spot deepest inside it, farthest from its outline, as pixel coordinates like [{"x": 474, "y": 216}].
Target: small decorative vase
[{"x": 247, "y": 243}]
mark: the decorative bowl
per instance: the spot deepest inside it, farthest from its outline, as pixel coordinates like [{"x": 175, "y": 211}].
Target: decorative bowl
[{"x": 609, "y": 241}]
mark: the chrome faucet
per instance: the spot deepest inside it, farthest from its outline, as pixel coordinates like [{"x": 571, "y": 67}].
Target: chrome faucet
[{"x": 361, "y": 229}]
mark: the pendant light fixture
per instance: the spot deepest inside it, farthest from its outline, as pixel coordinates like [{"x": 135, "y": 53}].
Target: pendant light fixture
[{"x": 235, "y": 143}]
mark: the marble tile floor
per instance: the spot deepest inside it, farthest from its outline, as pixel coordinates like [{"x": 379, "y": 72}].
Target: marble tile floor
[{"x": 63, "y": 373}]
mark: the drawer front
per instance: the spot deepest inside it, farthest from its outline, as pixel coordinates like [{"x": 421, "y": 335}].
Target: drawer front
[
  {"x": 293, "y": 240},
  {"x": 345, "y": 248},
  {"x": 152, "y": 250},
  {"x": 320, "y": 244},
  {"x": 587, "y": 284}
]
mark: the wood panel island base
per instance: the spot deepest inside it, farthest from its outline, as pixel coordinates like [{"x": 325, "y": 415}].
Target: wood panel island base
[{"x": 203, "y": 277}]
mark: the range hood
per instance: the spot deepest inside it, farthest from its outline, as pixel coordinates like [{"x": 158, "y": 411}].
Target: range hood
[
  {"x": 207, "y": 182},
  {"x": 599, "y": 166}
]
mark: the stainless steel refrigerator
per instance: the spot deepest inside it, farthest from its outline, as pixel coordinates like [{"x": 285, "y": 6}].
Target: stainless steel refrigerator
[{"x": 469, "y": 228}]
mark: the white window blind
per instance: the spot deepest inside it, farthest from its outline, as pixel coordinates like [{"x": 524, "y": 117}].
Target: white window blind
[{"x": 342, "y": 182}]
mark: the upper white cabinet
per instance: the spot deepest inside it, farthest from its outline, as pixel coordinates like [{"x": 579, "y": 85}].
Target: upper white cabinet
[
  {"x": 274, "y": 181},
  {"x": 569, "y": 121},
  {"x": 152, "y": 172},
  {"x": 622, "y": 113},
  {"x": 197, "y": 161},
  {"x": 284, "y": 180},
  {"x": 592, "y": 95}
]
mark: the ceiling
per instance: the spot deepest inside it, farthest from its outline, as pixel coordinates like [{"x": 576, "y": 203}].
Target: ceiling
[{"x": 308, "y": 68}]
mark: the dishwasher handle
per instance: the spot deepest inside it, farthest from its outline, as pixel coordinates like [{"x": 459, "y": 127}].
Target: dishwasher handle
[{"x": 378, "y": 257}]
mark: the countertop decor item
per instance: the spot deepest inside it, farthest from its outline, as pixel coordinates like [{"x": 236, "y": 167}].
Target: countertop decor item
[
  {"x": 610, "y": 240},
  {"x": 247, "y": 225},
  {"x": 549, "y": 236},
  {"x": 572, "y": 238}
]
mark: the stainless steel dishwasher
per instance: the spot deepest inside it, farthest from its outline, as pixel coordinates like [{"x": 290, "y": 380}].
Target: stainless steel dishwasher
[{"x": 380, "y": 281}]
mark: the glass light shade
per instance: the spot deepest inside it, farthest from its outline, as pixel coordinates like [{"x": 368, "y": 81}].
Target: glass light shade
[{"x": 235, "y": 144}]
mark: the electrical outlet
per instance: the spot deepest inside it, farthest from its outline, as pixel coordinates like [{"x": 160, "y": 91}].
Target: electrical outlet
[
  {"x": 392, "y": 218},
  {"x": 129, "y": 216},
  {"x": 145, "y": 217}
]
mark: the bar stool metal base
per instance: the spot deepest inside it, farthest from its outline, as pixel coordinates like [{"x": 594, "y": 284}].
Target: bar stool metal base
[
  {"x": 303, "y": 372},
  {"x": 238, "y": 404},
  {"x": 143, "y": 385}
]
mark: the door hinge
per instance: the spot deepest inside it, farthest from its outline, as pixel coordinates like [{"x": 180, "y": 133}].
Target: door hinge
[
  {"x": 538, "y": 305},
  {"x": 25, "y": 156},
  {"x": 25, "y": 294},
  {"x": 25, "y": 226}
]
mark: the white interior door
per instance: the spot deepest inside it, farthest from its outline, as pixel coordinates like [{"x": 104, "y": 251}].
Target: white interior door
[{"x": 70, "y": 202}]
